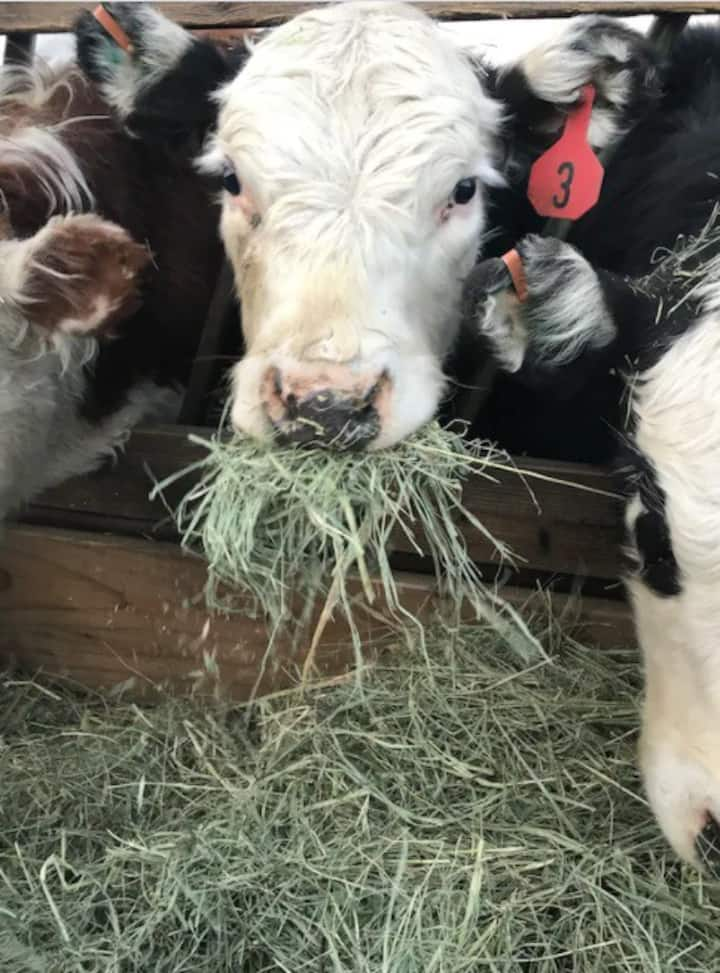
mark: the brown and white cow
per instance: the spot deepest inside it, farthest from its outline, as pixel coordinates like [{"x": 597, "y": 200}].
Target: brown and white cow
[{"x": 108, "y": 256}]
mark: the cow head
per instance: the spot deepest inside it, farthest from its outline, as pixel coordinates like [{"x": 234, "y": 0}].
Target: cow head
[{"x": 354, "y": 146}]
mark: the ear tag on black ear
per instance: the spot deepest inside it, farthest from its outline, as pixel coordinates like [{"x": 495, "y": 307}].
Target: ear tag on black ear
[
  {"x": 565, "y": 181},
  {"x": 113, "y": 28}
]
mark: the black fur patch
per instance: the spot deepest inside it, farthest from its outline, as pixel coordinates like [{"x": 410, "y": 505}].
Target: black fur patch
[
  {"x": 650, "y": 537},
  {"x": 662, "y": 182},
  {"x": 180, "y": 108}
]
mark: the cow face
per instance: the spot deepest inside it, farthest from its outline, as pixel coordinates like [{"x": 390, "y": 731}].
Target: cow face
[{"x": 354, "y": 146}]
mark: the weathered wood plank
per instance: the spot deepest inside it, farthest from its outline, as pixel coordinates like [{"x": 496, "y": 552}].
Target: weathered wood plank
[
  {"x": 108, "y": 611},
  {"x": 554, "y": 528},
  {"x": 206, "y": 366},
  {"x": 50, "y": 17},
  {"x": 102, "y": 610}
]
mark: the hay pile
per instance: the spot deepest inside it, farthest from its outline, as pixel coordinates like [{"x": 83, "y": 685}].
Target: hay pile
[
  {"x": 458, "y": 812},
  {"x": 289, "y": 526}
]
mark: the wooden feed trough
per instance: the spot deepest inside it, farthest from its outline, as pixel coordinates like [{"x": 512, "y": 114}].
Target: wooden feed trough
[{"x": 93, "y": 585}]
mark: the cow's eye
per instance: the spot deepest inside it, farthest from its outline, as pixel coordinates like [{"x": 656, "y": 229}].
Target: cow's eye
[
  {"x": 230, "y": 180},
  {"x": 464, "y": 191}
]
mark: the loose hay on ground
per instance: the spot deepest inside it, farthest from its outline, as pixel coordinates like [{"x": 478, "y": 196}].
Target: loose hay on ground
[{"x": 464, "y": 812}]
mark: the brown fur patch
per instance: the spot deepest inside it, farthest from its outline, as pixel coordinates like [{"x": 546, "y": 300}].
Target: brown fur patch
[
  {"x": 5, "y": 227},
  {"x": 22, "y": 191},
  {"x": 84, "y": 275}
]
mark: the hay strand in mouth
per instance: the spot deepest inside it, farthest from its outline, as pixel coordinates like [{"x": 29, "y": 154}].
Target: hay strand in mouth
[{"x": 284, "y": 527}]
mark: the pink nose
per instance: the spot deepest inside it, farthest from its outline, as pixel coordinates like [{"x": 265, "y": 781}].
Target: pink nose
[{"x": 328, "y": 407}]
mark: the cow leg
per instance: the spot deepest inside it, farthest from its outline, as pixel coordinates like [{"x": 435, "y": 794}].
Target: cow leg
[
  {"x": 161, "y": 88},
  {"x": 621, "y": 63}
]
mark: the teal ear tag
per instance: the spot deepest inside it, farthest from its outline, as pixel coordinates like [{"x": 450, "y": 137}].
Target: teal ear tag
[{"x": 112, "y": 53}]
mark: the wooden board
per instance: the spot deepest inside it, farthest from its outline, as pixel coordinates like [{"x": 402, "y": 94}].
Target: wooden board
[
  {"x": 50, "y": 17},
  {"x": 551, "y": 525},
  {"x": 106, "y": 612}
]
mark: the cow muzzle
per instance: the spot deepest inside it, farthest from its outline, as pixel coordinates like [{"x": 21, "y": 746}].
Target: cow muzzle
[{"x": 331, "y": 408}]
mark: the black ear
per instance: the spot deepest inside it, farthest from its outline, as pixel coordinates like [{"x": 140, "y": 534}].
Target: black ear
[{"x": 161, "y": 87}]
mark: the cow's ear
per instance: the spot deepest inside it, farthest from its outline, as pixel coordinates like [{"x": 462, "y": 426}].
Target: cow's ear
[
  {"x": 623, "y": 65},
  {"x": 157, "y": 77},
  {"x": 79, "y": 274}
]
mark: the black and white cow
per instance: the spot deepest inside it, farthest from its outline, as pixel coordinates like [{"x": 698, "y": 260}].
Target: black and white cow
[
  {"x": 634, "y": 297},
  {"x": 361, "y": 153}
]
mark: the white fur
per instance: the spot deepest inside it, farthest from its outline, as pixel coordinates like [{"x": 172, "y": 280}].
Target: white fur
[
  {"x": 349, "y": 128},
  {"x": 43, "y": 439},
  {"x": 502, "y": 324},
  {"x": 571, "y": 314},
  {"x": 680, "y": 742},
  {"x": 32, "y": 87}
]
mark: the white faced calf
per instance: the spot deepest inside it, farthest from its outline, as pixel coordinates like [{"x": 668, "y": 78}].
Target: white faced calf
[{"x": 356, "y": 145}]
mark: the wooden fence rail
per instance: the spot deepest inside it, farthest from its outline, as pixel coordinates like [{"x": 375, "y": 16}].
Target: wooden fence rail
[
  {"x": 105, "y": 611},
  {"x": 52, "y": 17},
  {"x": 559, "y": 518}
]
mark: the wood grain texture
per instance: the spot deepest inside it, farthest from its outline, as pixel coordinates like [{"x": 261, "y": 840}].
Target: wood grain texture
[
  {"x": 552, "y": 527},
  {"x": 50, "y": 17},
  {"x": 106, "y": 612}
]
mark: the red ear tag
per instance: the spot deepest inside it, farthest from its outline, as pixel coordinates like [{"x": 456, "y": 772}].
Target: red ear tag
[{"x": 565, "y": 181}]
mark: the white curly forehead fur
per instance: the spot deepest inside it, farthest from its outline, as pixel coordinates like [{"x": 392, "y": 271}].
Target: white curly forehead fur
[{"x": 356, "y": 107}]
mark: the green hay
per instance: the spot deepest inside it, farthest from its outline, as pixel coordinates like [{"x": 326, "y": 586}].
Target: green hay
[
  {"x": 286, "y": 526},
  {"x": 464, "y": 814}
]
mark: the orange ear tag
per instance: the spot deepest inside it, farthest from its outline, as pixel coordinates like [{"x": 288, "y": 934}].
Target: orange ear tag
[
  {"x": 512, "y": 261},
  {"x": 565, "y": 181},
  {"x": 113, "y": 28}
]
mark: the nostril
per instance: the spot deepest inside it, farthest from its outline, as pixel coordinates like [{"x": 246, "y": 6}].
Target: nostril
[
  {"x": 271, "y": 394},
  {"x": 322, "y": 400},
  {"x": 291, "y": 406},
  {"x": 374, "y": 391},
  {"x": 707, "y": 845}
]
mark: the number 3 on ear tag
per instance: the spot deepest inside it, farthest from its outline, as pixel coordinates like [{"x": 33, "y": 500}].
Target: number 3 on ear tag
[{"x": 565, "y": 181}]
